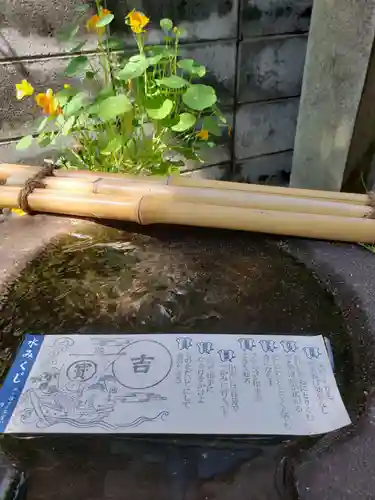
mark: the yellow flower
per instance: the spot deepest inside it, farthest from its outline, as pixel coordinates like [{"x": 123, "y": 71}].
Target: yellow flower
[
  {"x": 203, "y": 134},
  {"x": 91, "y": 23},
  {"x": 18, "y": 211},
  {"x": 67, "y": 86},
  {"x": 24, "y": 88},
  {"x": 137, "y": 21},
  {"x": 48, "y": 103}
]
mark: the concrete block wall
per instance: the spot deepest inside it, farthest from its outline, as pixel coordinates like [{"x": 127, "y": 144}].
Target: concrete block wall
[{"x": 254, "y": 51}]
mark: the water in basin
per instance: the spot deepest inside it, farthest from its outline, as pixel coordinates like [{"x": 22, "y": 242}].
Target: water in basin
[{"x": 107, "y": 279}]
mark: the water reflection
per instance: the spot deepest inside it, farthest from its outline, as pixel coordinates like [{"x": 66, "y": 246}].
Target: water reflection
[{"x": 162, "y": 280}]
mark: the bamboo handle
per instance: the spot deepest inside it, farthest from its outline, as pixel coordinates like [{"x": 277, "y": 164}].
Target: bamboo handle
[
  {"x": 153, "y": 210},
  {"x": 208, "y": 196},
  {"x": 7, "y": 170},
  {"x": 86, "y": 205}
]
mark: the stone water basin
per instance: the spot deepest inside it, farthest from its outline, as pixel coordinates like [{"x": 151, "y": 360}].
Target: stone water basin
[{"x": 107, "y": 278}]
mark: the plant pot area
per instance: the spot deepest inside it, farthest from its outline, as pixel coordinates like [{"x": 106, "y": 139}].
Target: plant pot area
[{"x": 71, "y": 276}]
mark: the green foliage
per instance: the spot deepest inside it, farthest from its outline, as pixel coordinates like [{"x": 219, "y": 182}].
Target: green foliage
[
  {"x": 129, "y": 115},
  {"x": 166, "y": 25},
  {"x": 173, "y": 82},
  {"x": 114, "y": 106},
  {"x": 76, "y": 65},
  {"x": 105, "y": 20},
  {"x": 185, "y": 121},
  {"x": 192, "y": 67},
  {"x": 25, "y": 142},
  {"x": 199, "y": 97},
  {"x": 159, "y": 108}
]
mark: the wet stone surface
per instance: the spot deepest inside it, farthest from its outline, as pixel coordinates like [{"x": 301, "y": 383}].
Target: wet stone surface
[{"x": 109, "y": 280}]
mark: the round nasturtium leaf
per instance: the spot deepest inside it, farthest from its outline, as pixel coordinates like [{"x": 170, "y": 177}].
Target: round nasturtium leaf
[
  {"x": 133, "y": 69},
  {"x": 192, "y": 67},
  {"x": 104, "y": 21},
  {"x": 114, "y": 106},
  {"x": 199, "y": 97},
  {"x": 158, "y": 109},
  {"x": 173, "y": 82},
  {"x": 186, "y": 121}
]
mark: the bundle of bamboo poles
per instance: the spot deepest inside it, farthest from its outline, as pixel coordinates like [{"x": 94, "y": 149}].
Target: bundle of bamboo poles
[{"x": 195, "y": 202}]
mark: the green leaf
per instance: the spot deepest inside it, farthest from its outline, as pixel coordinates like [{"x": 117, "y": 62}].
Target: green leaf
[
  {"x": 133, "y": 69},
  {"x": 76, "y": 104},
  {"x": 186, "y": 152},
  {"x": 209, "y": 123},
  {"x": 199, "y": 70},
  {"x": 82, "y": 8},
  {"x": 105, "y": 92},
  {"x": 76, "y": 65},
  {"x": 186, "y": 121},
  {"x": 44, "y": 140},
  {"x": 199, "y": 97},
  {"x": 93, "y": 109},
  {"x": 156, "y": 50},
  {"x": 114, "y": 106},
  {"x": 42, "y": 124},
  {"x": 25, "y": 142},
  {"x": 166, "y": 24},
  {"x": 221, "y": 117},
  {"x": 154, "y": 59},
  {"x": 68, "y": 125},
  {"x": 169, "y": 122},
  {"x": 104, "y": 21},
  {"x": 173, "y": 82},
  {"x": 59, "y": 120},
  {"x": 113, "y": 146},
  {"x": 159, "y": 108},
  {"x": 68, "y": 33},
  {"x": 177, "y": 163},
  {"x": 77, "y": 48},
  {"x": 90, "y": 75},
  {"x": 137, "y": 58},
  {"x": 191, "y": 67},
  {"x": 114, "y": 43},
  {"x": 64, "y": 95}
]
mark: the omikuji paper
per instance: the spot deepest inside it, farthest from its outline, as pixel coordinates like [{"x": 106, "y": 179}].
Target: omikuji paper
[{"x": 172, "y": 384}]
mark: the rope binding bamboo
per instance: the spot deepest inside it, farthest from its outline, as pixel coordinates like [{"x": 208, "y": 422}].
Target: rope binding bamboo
[{"x": 33, "y": 182}]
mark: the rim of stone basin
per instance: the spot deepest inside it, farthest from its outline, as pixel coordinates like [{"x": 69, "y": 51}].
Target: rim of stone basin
[{"x": 346, "y": 271}]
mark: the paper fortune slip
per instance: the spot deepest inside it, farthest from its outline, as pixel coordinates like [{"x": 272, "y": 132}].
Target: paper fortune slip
[{"x": 172, "y": 384}]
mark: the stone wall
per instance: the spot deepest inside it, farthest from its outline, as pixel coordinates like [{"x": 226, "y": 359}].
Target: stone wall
[{"x": 254, "y": 51}]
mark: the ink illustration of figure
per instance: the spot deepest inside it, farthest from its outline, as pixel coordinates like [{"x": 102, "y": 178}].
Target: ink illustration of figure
[{"x": 83, "y": 395}]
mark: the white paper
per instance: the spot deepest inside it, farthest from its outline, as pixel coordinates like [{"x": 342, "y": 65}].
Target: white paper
[{"x": 180, "y": 384}]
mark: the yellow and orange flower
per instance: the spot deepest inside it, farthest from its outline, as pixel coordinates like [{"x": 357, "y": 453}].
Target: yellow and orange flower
[
  {"x": 23, "y": 89},
  {"x": 137, "y": 21},
  {"x": 203, "y": 134},
  {"x": 49, "y": 103},
  {"x": 91, "y": 23}
]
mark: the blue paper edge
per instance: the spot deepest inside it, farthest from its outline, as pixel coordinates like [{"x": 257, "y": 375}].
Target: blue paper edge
[{"x": 10, "y": 391}]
